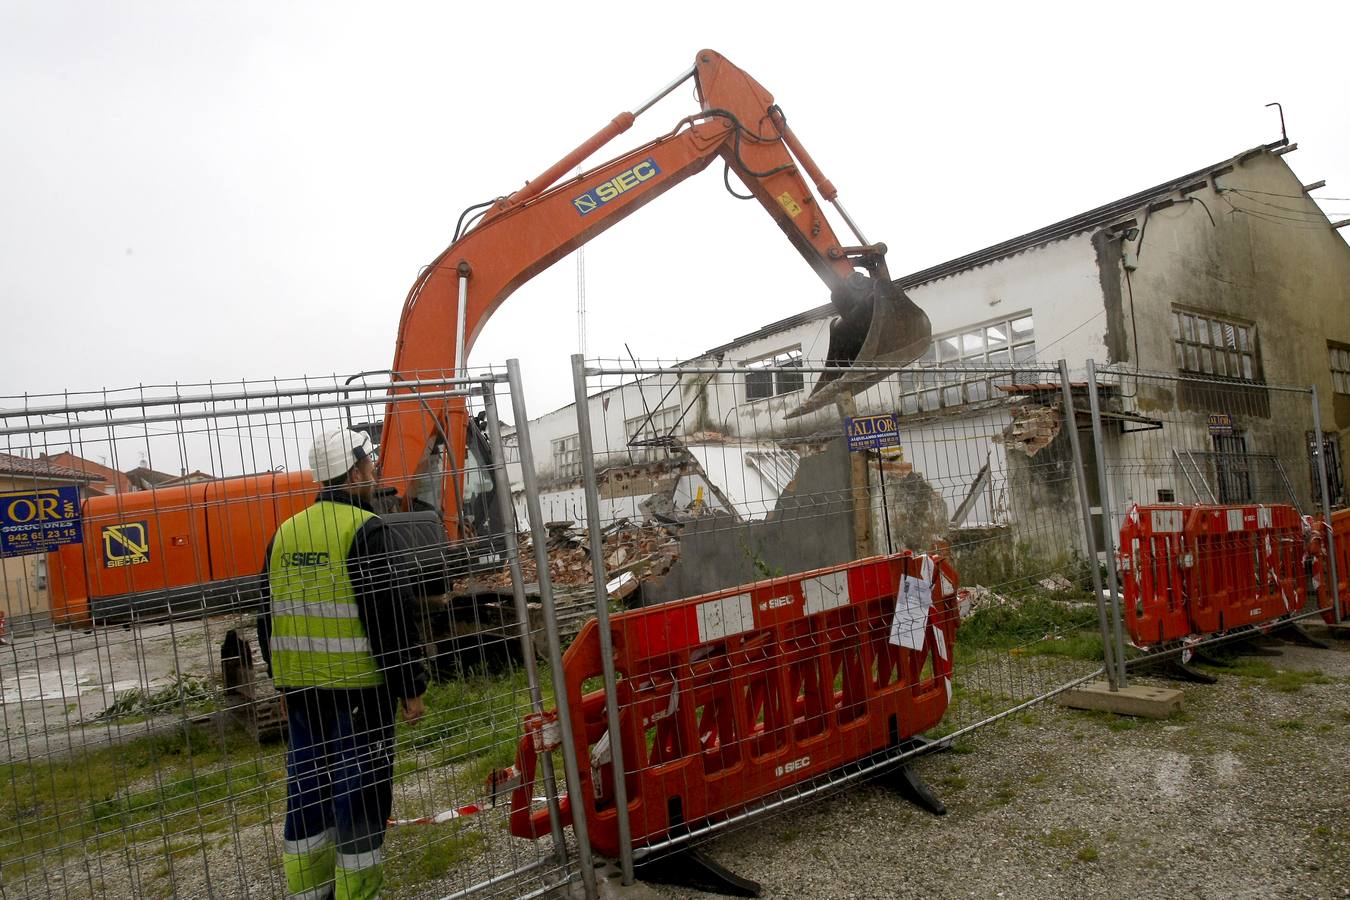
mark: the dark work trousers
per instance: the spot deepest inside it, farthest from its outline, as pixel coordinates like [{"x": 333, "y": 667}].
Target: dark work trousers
[{"x": 339, "y": 789}]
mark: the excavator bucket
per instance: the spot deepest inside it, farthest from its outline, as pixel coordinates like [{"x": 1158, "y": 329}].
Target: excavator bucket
[{"x": 883, "y": 328}]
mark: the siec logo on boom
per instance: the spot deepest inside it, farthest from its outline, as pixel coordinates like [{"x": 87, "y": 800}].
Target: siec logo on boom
[{"x": 610, "y": 190}]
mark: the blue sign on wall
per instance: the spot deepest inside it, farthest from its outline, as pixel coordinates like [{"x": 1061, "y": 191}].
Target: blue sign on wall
[
  {"x": 39, "y": 521},
  {"x": 871, "y": 432}
]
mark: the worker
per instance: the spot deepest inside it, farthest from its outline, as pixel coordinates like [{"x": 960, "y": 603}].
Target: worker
[{"x": 342, "y": 645}]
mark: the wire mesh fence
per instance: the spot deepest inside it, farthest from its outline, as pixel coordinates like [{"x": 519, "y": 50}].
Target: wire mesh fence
[
  {"x": 1216, "y": 504},
  {"x": 707, "y": 485},
  {"x": 147, "y": 751},
  {"x": 758, "y": 607}
]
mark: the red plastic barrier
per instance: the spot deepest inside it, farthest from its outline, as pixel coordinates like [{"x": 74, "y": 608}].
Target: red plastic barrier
[
  {"x": 1155, "y": 572},
  {"x": 1209, "y": 569},
  {"x": 1249, "y": 565},
  {"x": 1317, "y": 548},
  {"x": 732, "y": 696}
]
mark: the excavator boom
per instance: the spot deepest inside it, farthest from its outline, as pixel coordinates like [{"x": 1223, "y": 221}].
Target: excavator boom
[{"x": 522, "y": 234}]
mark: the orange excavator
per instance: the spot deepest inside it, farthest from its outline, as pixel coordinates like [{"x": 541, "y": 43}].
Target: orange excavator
[{"x": 212, "y": 544}]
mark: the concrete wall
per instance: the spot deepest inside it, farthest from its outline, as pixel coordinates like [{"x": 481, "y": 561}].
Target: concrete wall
[{"x": 810, "y": 528}]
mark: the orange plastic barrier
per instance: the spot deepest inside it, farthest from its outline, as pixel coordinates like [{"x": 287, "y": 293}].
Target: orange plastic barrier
[
  {"x": 1209, "y": 569},
  {"x": 730, "y": 697},
  {"x": 1155, "y": 571},
  {"x": 1340, "y": 534},
  {"x": 1248, "y": 565}
]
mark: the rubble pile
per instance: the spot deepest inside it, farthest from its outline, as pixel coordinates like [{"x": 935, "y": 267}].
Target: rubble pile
[
  {"x": 977, "y": 597},
  {"x": 642, "y": 550}
]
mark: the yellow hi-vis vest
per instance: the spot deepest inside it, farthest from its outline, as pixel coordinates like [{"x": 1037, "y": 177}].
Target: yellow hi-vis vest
[{"x": 317, "y": 636}]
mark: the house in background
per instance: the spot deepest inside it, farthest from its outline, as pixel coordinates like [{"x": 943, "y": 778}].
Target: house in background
[
  {"x": 1231, "y": 272},
  {"x": 113, "y": 481},
  {"x": 144, "y": 478}
]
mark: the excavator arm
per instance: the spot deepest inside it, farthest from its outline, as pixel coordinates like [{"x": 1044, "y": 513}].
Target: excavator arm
[{"x": 521, "y": 235}]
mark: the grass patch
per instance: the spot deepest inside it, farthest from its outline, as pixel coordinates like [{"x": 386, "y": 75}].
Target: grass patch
[
  {"x": 419, "y": 855},
  {"x": 1289, "y": 681},
  {"x": 1061, "y": 838},
  {"x": 1112, "y": 721},
  {"x": 1004, "y": 794},
  {"x": 194, "y": 783},
  {"x": 182, "y": 782},
  {"x": 1026, "y": 622},
  {"x": 1088, "y": 854},
  {"x": 472, "y": 724},
  {"x": 1290, "y": 725}
]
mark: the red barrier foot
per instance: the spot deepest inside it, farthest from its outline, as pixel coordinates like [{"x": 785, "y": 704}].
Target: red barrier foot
[
  {"x": 905, "y": 782},
  {"x": 1177, "y": 670},
  {"x": 689, "y": 867},
  {"x": 911, "y": 787}
]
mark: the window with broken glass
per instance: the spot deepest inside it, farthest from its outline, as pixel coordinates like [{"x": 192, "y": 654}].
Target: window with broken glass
[
  {"x": 992, "y": 345},
  {"x": 1340, "y": 367},
  {"x": 660, "y": 423},
  {"x": 1212, "y": 345},
  {"x": 567, "y": 456},
  {"x": 772, "y": 375}
]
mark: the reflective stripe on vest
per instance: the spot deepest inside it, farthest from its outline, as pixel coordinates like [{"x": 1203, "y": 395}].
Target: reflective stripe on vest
[{"x": 317, "y": 636}]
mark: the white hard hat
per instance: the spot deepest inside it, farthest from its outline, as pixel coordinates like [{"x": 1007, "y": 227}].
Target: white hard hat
[{"x": 336, "y": 452}]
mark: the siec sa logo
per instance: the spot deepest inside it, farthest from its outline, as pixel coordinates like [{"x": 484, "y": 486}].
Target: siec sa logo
[{"x": 776, "y": 603}]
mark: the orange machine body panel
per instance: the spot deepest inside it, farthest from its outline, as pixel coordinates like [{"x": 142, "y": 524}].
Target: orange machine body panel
[{"x": 146, "y": 551}]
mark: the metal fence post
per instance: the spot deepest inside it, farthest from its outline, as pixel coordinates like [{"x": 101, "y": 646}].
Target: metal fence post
[
  {"x": 507, "y": 510},
  {"x": 1319, "y": 445},
  {"x": 1108, "y": 536},
  {"x": 1085, "y": 505},
  {"x": 591, "y": 490},
  {"x": 539, "y": 538}
]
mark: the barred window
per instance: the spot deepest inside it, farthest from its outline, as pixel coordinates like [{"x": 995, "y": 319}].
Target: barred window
[
  {"x": 567, "y": 456},
  {"x": 772, "y": 375},
  {"x": 1340, "y": 368},
  {"x": 1000, "y": 343},
  {"x": 1211, "y": 345}
]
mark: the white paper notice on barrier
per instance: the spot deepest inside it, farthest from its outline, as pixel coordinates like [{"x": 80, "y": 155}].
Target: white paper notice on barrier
[{"x": 911, "y": 608}]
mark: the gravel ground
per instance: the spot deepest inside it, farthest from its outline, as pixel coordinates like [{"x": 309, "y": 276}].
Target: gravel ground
[{"x": 1245, "y": 794}]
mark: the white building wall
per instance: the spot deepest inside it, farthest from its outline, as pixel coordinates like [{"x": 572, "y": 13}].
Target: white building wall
[{"x": 1058, "y": 284}]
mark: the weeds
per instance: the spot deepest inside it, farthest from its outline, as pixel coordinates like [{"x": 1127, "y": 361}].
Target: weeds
[
  {"x": 187, "y": 692},
  {"x": 1005, "y": 627},
  {"x": 1288, "y": 681}
]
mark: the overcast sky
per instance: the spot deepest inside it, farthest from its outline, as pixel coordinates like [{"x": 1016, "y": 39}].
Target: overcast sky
[{"x": 200, "y": 191}]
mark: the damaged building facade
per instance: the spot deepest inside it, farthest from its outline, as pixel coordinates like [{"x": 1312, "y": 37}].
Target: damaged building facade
[{"x": 1200, "y": 275}]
